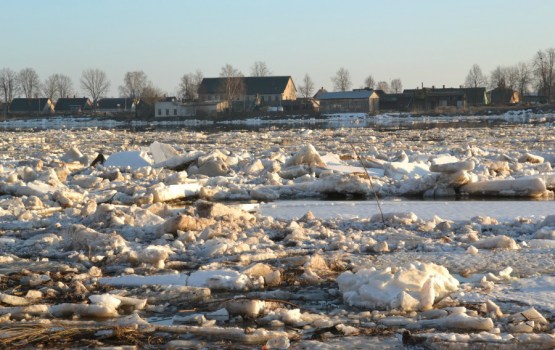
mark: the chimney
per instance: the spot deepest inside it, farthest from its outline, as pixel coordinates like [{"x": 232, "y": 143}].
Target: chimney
[
  {"x": 444, "y": 86},
  {"x": 422, "y": 84}
]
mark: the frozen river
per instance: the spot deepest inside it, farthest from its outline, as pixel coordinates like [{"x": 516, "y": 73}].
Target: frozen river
[
  {"x": 450, "y": 210},
  {"x": 151, "y": 246}
]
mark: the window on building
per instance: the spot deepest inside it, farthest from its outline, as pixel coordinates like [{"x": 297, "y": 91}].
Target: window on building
[
  {"x": 175, "y": 111},
  {"x": 167, "y": 111},
  {"x": 159, "y": 112}
]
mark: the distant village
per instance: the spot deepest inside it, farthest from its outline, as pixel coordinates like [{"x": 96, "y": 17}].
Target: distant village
[
  {"x": 278, "y": 94},
  {"x": 232, "y": 95}
]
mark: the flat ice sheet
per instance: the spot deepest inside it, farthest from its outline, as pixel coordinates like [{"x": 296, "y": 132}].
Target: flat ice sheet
[
  {"x": 534, "y": 291},
  {"x": 449, "y": 210}
]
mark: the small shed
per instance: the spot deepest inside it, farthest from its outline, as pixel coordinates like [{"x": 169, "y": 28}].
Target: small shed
[
  {"x": 534, "y": 99},
  {"x": 476, "y": 96},
  {"x": 503, "y": 96},
  {"x": 210, "y": 108},
  {"x": 356, "y": 101},
  {"x": 78, "y": 105},
  {"x": 115, "y": 105}
]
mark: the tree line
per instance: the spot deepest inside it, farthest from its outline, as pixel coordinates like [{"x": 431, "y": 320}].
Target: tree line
[{"x": 538, "y": 76}]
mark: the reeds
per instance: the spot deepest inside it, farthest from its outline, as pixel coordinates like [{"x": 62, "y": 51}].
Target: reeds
[{"x": 24, "y": 334}]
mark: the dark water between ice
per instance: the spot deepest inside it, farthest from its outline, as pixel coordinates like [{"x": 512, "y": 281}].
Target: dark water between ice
[{"x": 379, "y": 123}]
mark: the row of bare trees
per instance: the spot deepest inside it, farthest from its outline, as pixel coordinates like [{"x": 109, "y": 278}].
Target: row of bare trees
[
  {"x": 342, "y": 82},
  {"x": 537, "y": 75},
  {"x": 93, "y": 82},
  {"x": 136, "y": 84},
  {"x": 26, "y": 83}
]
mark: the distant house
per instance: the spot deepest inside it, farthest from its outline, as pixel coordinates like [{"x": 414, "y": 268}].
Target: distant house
[
  {"x": 357, "y": 101},
  {"x": 173, "y": 108},
  {"x": 503, "y": 96},
  {"x": 440, "y": 99},
  {"x": 319, "y": 92},
  {"x": 534, "y": 99},
  {"x": 253, "y": 91},
  {"x": 75, "y": 105},
  {"x": 37, "y": 106},
  {"x": 115, "y": 105},
  {"x": 432, "y": 99}
]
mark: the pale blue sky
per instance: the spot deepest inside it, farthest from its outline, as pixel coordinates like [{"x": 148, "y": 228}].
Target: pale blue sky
[{"x": 434, "y": 42}]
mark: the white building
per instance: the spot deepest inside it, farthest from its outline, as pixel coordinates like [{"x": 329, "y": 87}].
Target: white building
[{"x": 172, "y": 109}]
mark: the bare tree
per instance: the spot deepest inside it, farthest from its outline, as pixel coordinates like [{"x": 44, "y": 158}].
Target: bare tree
[
  {"x": 524, "y": 78},
  {"x": 188, "y": 86},
  {"x": 133, "y": 84},
  {"x": 369, "y": 82},
  {"x": 57, "y": 86},
  {"x": 307, "y": 88},
  {"x": 396, "y": 86},
  {"x": 49, "y": 87},
  {"x": 95, "y": 83},
  {"x": 383, "y": 85},
  {"x": 29, "y": 82},
  {"x": 341, "y": 80},
  {"x": 497, "y": 78},
  {"x": 511, "y": 77},
  {"x": 8, "y": 84},
  {"x": 544, "y": 66},
  {"x": 151, "y": 94},
  {"x": 260, "y": 69},
  {"x": 64, "y": 85},
  {"x": 233, "y": 84},
  {"x": 505, "y": 77},
  {"x": 475, "y": 78}
]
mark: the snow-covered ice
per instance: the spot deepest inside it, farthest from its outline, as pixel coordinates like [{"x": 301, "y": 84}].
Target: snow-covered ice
[{"x": 274, "y": 237}]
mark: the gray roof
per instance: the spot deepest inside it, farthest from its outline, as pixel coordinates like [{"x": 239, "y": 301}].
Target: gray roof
[
  {"x": 344, "y": 95},
  {"x": 72, "y": 104},
  {"x": 474, "y": 96},
  {"x": 28, "y": 104},
  {"x": 114, "y": 103},
  {"x": 253, "y": 85}
]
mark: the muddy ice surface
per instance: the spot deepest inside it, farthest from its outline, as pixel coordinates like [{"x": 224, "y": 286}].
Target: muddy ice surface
[{"x": 160, "y": 244}]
